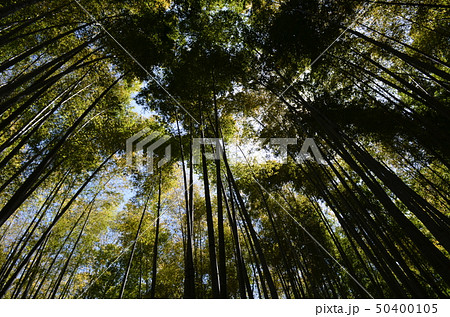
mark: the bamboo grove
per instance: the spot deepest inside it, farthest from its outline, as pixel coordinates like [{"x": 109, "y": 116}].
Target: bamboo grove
[{"x": 368, "y": 81}]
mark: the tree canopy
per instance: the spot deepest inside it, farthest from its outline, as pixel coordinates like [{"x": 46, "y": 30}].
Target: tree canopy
[{"x": 364, "y": 84}]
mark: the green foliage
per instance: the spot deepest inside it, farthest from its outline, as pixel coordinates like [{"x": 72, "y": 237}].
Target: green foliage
[{"x": 375, "y": 100}]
